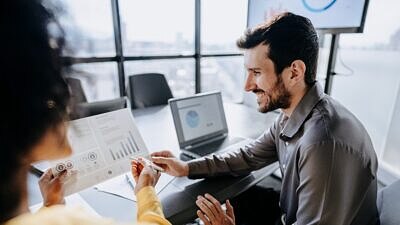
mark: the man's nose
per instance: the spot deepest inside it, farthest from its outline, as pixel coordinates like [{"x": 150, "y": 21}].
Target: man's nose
[{"x": 249, "y": 85}]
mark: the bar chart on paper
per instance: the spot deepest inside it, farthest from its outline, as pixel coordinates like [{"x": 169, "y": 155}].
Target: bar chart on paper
[
  {"x": 119, "y": 142},
  {"x": 126, "y": 148}
]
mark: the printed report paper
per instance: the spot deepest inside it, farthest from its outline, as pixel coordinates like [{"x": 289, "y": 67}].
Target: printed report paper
[{"x": 102, "y": 145}]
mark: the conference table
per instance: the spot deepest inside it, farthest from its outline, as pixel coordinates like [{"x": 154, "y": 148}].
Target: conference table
[{"x": 178, "y": 197}]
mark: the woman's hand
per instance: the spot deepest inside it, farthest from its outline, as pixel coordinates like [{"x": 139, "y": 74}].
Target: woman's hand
[
  {"x": 52, "y": 188},
  {"x": 143, "y": 174}
]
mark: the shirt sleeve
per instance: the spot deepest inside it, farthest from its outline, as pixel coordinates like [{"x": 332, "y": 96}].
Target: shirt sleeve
[
  {"x": 261, "y": 152},
  {"x": 334, "y": 182},
  {"x": 149, "y": 207},
  {"x": 149, "y": 213}
]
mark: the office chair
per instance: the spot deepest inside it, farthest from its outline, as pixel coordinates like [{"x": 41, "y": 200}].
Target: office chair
[
  {"x": 389, "y": 204},
  {"x": 148, "y": 89},
  {"x": 86, "y": 109},
  {"x": 77, "y": 93},
  {"x": 82, "y": 108}
]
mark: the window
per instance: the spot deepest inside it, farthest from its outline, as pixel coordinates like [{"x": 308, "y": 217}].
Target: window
[
  {"x": 368, "y": 80},
  {"x": 88, "y": 27},
  {"x": 323, "y": 57},
  {"x": 155, "y": 27},
  {"x": 156, "y": 36},
  {"x": 178, "y": 72},
  {"x": 225, "y": 72},
  {"x": 99, "y": 80},
  {"x": 222, "y": 23},
  {"x": 390, "y": 155}
]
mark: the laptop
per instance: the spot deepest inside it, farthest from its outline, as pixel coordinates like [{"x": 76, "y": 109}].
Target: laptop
[{"x": 201, "y": 126}]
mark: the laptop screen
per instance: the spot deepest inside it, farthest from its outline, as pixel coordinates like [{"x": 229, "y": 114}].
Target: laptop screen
[{"x": 198, "y": 117}]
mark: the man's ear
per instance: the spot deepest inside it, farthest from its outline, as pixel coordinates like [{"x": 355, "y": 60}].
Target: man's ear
[{"x": 298, "y": 69}]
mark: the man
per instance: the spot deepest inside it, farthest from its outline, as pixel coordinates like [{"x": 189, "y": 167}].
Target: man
[{"x": 325, "y": 154}]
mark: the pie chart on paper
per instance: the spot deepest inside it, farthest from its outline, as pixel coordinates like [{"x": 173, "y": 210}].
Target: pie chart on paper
[{"x": 192, "y": 119}]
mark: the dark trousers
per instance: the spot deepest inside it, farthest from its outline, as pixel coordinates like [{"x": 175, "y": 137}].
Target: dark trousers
[{"x": 257, "y": 206}]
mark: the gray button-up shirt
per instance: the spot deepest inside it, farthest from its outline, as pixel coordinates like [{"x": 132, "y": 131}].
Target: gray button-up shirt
[{"x": 326, "y": 157}]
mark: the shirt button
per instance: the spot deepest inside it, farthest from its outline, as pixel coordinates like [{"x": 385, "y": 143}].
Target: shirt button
[
  {"x": 284, "y": 166},
  {"x": 286, "y": 143}
]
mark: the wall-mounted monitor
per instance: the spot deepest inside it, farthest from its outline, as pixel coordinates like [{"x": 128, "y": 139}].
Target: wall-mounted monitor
[{"x": 331, "y": 16}]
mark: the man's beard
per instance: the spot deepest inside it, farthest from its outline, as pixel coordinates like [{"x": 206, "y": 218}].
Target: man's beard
[{"x": 278, "y": 98}]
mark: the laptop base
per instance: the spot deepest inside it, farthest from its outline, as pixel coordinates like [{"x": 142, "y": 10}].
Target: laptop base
[{"x": 219, "y": 146}]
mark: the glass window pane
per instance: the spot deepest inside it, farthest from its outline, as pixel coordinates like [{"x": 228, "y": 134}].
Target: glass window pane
[
  {"x": 391, "y": 153},
  {"x": 368, "y": 79},
  {"x": 225, "y": 74},
  {"x": 178, "y": 72},
  {"x": 154, "y": 27},
  {"x": 371, "y": 90},
  {"x": 222, "y": 23},
  {"x": 88, "y": 26},
  {"x": 324, "y": 44},
  {"x": 99, "y": 80}
]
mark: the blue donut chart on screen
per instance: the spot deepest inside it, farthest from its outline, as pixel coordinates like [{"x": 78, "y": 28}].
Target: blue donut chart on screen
[
  {"x": 192, "y": 119},
  {"x": 316, "y": 9},
  {"x": 335, "y": 16}
]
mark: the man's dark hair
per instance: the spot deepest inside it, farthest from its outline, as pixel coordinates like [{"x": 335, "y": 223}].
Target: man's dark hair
[
  {"x": 289, "y": 37},
  {"x": 34, "y": 95}
]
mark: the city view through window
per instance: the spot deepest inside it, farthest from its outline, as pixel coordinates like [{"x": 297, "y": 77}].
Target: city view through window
[{"x": 162, "y": 32}]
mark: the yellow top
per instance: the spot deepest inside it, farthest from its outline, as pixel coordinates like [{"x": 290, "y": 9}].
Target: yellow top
[{"x": 149, "y": 213}]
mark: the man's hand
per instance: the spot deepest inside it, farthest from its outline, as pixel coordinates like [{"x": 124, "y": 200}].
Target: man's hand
[
  {"x": 211, "y": 212},
  {"x": 170, "y": 163},
  {"x": 52, "y": 188},
  {"x": 143, "y": 174}
]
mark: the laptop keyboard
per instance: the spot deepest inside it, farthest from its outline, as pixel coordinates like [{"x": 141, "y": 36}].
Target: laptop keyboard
[
  {"x": 217, "y": 147},
  {"x": 209, "y": 148}
]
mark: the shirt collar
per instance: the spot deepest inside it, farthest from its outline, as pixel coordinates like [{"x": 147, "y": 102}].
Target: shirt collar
[{"x": 302, "y": 110}]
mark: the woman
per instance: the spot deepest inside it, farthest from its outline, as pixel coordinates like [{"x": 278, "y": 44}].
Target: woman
[{"x": 33, "y": 121}]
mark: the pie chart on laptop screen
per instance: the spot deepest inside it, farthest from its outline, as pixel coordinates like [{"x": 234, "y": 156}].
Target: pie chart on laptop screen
[{"x": 192, "y": 119}]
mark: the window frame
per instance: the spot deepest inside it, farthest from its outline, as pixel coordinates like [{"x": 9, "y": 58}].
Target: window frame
[{"x": 120, "y": 57}]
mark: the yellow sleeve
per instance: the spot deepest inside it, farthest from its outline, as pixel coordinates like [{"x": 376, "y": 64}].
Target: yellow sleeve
[
  {"x": 149, "y": 207},
  {"x": 59, "y": 215}
]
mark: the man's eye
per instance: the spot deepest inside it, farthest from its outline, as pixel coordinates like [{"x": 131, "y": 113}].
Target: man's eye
[{"x": 257, "y": 73}]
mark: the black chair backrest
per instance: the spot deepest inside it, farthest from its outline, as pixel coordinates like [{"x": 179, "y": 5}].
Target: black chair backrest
[
  {"x": 389, "y": 204},
  {"x": 148, "y": 89},
  {"x": 77, "y": 93},
  {"x": 86, "y": 109}
]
